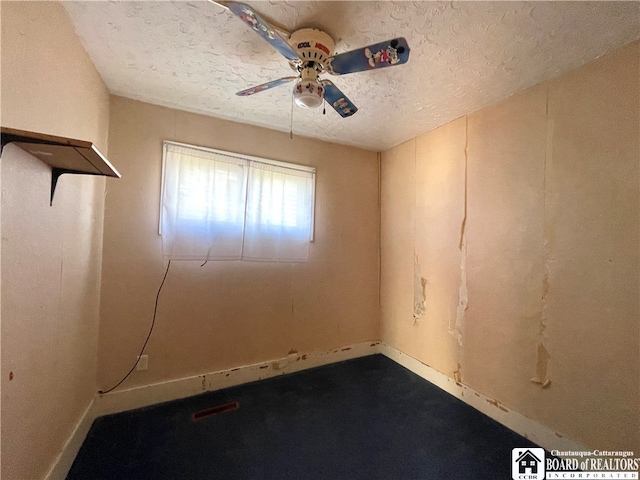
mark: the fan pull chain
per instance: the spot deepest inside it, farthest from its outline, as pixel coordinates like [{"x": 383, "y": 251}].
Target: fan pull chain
[
  {"x": 291, "y": 127},
  {"x": 324, "y": 106}
]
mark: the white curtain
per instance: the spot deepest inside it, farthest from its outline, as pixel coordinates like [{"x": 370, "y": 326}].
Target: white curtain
[
  {"x": 278, "y": 221},
  {"x": 218, "y": 206}
]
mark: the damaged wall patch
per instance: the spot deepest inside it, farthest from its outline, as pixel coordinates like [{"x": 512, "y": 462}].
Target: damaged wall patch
[
  {"x": 455, "y": 326},
  {"x": 542, "y": 364},
  {"x": 419, "y": 295}
]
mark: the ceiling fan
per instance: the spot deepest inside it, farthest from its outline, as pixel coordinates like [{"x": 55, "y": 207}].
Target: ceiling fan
[{"x": 310, "y": 54}]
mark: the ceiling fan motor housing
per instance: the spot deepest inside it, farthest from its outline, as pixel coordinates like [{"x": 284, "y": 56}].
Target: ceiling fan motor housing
[{"x": 314, "y": 47}]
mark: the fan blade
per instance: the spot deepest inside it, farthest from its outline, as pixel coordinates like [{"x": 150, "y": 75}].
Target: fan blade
[
  {"x": 383, "y": 54},
  {"x": 262, "y": 28},
  {"x": 338, "y": 100},
  {"x": 265, "y": 86}
]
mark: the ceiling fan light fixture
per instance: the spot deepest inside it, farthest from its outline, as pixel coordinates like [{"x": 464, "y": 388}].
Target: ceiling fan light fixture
[{"x": 308, "y": 94}]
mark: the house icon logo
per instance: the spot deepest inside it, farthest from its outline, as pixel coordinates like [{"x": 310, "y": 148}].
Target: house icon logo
[{"x": 527, "y": 464}]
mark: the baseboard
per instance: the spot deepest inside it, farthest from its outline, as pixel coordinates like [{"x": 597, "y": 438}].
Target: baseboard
[
  {"x": 528, "y": 428},
  {"x": 137, "y": 397},
  {"x": 62, "y": 464}
]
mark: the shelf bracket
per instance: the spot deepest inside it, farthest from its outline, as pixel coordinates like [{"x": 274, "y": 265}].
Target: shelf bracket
[
  {"x": 55, "y": 175},
  {"x": 55, "y": 172},
  {"x": 4, "y": 139}
]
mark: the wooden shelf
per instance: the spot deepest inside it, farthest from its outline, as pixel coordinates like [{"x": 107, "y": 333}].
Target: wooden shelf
[{"x": 64, "y": 155}]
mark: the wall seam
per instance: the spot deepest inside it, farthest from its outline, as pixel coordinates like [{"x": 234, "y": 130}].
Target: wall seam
[
  {"x": 542, "y": 357},
  {"x": 463, "y": 301},
  {"x": 379, "y": 159}
]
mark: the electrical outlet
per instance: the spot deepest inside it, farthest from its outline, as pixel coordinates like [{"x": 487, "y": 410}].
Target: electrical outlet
[{"x": 143, "y": 362}]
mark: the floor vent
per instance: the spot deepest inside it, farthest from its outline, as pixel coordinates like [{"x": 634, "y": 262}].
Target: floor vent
[{"x": 208, "y": 412}]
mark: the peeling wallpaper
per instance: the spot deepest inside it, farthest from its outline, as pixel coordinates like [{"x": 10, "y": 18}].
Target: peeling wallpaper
[
  {"x": 543, "y": 293},
  {"x": 195, "y": 55}
]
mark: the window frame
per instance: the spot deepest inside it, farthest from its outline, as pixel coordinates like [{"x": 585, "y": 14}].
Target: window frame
[{"x": 249, "y": 158}]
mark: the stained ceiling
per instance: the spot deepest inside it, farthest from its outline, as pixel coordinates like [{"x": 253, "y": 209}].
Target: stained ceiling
[{"x": 195, "y": 55}]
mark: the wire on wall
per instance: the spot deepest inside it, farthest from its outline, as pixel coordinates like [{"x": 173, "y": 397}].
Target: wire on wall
[{"x": 153, "y": 322}]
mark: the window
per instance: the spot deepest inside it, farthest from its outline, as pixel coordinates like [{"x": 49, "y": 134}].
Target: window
[{"x": 222, "y": 206}]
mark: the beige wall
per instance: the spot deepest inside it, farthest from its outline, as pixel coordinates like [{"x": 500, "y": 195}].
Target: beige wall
[
  {"x": 551, "y": 259},
  {"x": 228, "y": 314},
  {"x": 549, "y": 254},
  {"x": 50, "y": 255}
]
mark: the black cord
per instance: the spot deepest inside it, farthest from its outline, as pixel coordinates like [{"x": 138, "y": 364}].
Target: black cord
[{"x": 153, "y": 322}]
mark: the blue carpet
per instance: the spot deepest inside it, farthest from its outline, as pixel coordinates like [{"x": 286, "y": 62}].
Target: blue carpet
[{"x": 366, "y": 418}]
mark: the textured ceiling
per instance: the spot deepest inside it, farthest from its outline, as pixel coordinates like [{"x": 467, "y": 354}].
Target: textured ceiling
[{"x": 194, "y": 55}]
